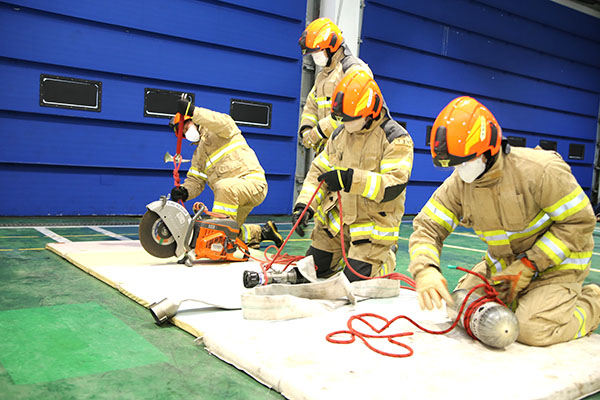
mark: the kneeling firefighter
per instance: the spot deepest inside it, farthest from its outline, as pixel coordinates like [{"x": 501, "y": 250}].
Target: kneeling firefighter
[
  {"x": 528, "y": 208},
  {"x": 369, "y": 160},
  {"x": 224, "y": 160}
]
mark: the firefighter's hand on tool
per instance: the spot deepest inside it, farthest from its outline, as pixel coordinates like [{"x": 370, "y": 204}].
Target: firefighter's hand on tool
[
  {"x": 298, "y": 208},
  {"x": 184, "y": 107},
  {"x": 338, "y": 179},
  {"x": 512, "y": 280},
  {"x": 179, "y": 193},
  {"x": 431, "y": 289}
]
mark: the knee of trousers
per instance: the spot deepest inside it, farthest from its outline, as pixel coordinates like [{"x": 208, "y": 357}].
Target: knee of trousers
[
  {"x": 322, "y": 261},
  {"x": 361, "y": 267}
]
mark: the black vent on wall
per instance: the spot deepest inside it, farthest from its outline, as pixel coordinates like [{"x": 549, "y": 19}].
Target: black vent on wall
[
  {"x": 576, "y": 151},
  {"x": 72, "y": 93},
  {"x": 428, "y": 135},
  {"x": 548, "y": 144},
  {"x": 251, "y": 113},
  {"x": 517, "y": 141},
  {"x": 159, "y": 103}
]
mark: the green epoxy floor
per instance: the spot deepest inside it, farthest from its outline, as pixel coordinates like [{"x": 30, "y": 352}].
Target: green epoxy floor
[{"x": 37, "y": 283}]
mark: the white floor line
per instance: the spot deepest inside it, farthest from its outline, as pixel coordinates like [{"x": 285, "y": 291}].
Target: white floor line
[
  {"x": 107, "y": 233},
  {"x": 56, "y": 237},
  {"x": 63, "y": 226}
]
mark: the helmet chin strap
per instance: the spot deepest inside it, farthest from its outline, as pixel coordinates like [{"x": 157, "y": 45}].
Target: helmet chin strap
[{"x": 491, "y": 160}]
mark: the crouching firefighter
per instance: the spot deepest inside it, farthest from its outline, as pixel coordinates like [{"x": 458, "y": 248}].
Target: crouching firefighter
[
  {"x": 224, "y": 160},
  {"x": 368, "y": 160},
  {"x": 528, "y": 208},
  {"x": 323, "y": 41}
]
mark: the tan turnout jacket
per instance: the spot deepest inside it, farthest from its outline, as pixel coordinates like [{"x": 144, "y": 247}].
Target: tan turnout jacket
[
  {"x": 527, "y": 203},
  {"x": 381, "y": 157},
  {"x": 222, "y": 152},
  {"x": 317, "y": 109}
]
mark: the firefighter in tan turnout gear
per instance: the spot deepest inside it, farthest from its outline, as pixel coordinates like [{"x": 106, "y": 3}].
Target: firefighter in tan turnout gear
[
  {"x": 529, "y": 209},
  {"x": 323, "y": 40},
  {"x": 368, "y": 160},
  {"x": 224, "y": 160}
]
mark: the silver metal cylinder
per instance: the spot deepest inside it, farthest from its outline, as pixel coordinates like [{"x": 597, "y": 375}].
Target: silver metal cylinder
[{"x": 491, "y": 323}]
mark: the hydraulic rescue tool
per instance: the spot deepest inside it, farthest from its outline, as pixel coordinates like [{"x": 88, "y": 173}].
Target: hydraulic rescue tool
[{"x": 167, "y": 230}]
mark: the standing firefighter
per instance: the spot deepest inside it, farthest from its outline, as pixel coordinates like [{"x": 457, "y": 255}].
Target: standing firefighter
[
  {"x": 323, "y": 40},
  {"x": 369, "y": 160},
  {"x": 527, "y": 206},
  {"x": 224, "y": 160}
]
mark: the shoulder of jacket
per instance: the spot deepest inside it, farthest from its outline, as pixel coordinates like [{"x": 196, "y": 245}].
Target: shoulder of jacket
[
  {"x": 536, "y": 156},
  {"x": 393, "y": 130},
  {"x": 350, "y": 61}
]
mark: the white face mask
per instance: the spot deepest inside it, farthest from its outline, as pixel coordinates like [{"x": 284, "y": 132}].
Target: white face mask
[
  {"x": 320, "y": 58},
  {"x": 192, "y": 134},
  {"x": 470, "y": 170}
]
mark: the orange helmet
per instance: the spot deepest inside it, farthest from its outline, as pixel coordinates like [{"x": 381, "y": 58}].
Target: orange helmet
[
  {"x": 321, "y": 34},
  {"x": 357, "y": 95},
  {"x": 174, "y": 122},
  {"x": 463, "y": 130}
]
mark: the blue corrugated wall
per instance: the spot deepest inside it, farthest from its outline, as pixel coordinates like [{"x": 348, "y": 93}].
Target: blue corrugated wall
[
  {"x": 59, "y": 161},
  {"x": 534, "y": 63}
]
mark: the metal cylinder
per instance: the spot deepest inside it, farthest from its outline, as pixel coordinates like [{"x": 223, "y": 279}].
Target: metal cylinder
[
  {"x": 163, "y": 310},
  {"x": 492, "y": 323}
]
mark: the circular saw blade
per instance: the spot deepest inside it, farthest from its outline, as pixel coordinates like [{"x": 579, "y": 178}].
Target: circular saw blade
[{"x": 155, "y": 237}]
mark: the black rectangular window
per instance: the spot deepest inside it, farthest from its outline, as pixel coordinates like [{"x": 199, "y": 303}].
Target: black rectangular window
[
  {"x": 548, "y": 144},
  {"x": 576, "y": 151},
  {"x": 517, "y": 141},
  {"x": 251, "y": 113},
  {"x": 428, "y": 135},
  {"x": 161, "y": 103},
  {"x": 72, "y": 93}
]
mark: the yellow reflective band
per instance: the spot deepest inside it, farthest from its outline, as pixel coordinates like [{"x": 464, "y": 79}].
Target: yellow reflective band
[
  {"x": 308, "y": 190},
  {"x": 496, "y": 266},
  {"x": 361, "y": 229},
  {"x": 427, "y": 249},
  {"x": 320, "y": 215},
  {"x": 568, "y": 205},
  {"x": 576, "y": 261},
  {"x": 502, "y": 238},
  {"x": 385, "y": 233},
  {"x": 245, "y": 233},
  {"x": 334, "y": 221},
  {"x": 581, "y": 317},
  {"x": 333, "y": 122},
  {"x": 553, "y": 247},
  {"x": 193, "y": 171},
  {"x": 399, "y": 163},
  {"x": 441, "y": 215},
  {"x": 339, "y": 175},
  {"x": 494, "y": 238},
  {"x": 311, "y": 117},
  {"x": 383, "y": 270},
  {"x": 228, "y": 148},
  {"x": 372, "y": 186},
  {"x": 229, "y": 209},
  {"x": 259, "y": 176},
  {"x": 323, "y": 161}
]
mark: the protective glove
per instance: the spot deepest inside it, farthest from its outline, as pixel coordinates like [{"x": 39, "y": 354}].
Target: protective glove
[
  {"x": 298, "y": 208},
  {"x": 184, "y": 107},
  {"x": 432, "y": 288},
  {"x": 516, "y": 277},
  {"x": 311, "y": 139},
  {"x": 179, "y": 193},
  {"x": 338, "y": 179}
]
